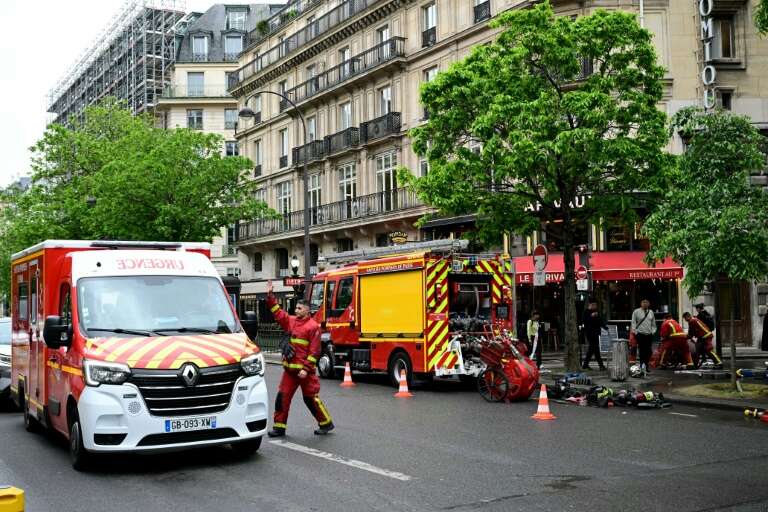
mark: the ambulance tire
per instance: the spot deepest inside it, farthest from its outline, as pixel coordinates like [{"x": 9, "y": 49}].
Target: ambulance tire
[
  {"x": 81, "y": 459},
  {"x": 30, "y": 424},
  {"x": 400, "y": 361},
  {"x": 246, "y": 449}
]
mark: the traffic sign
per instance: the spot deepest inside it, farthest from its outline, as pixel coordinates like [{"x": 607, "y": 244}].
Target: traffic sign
[
  {"x": 293, "y": 281},
  {"x": 539, "y": 278},
  {"x": 540, "y": 257},
  {"x": 581, "y": 272},
  {"x": 582, "y": 285}
]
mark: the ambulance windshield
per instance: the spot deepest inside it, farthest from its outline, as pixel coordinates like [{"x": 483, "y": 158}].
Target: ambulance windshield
[{"x": 149, "y": 305}]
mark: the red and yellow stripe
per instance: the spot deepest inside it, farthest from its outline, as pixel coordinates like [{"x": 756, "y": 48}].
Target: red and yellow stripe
[{"x": 437, "y": 335}]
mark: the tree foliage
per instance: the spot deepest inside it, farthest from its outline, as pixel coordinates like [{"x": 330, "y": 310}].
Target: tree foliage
[
  {"x": 559, "y": 109},
  {"x": 761, "y": 17},
  {"x": 711, "y": 219},
  {"x": 115, "y": 176}
]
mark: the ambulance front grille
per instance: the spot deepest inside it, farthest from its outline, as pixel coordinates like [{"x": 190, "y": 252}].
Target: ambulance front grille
[{"x": 166, "y": 394}]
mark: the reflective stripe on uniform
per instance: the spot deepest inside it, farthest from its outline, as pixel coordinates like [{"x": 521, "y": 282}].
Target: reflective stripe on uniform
[
  {"x": 293, "y": 365},
  {"x": 300, "y": 341},
  {"x": 280, "y": 425},
  {"x": 311, "y": 359},
  {"x": 274, "y": 308}
]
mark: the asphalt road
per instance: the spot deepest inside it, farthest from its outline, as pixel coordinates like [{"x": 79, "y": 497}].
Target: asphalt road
[{"x": 444, "y": 449}]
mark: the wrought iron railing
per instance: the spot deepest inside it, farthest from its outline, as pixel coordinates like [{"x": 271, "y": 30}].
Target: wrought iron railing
[
  {"x": 284, "y": 161},
  {"x": 333, "y": 18},
  {"x": 361, "y": 207},
  {"x": 483, "y": 11},
  {"x": 194, "y": 91},
  {"x": 388, "y": 124},
  {"x": 279, "y": 19},
  {"x": 199, "y": 57},
  {"x": 257, "y": 171},
  {"x": 342, "y": 140},
  {"x": 231, "y": 56},
  {"x": 360, "y": 63},
  {"x": 429, "y": 37},
  {"x": 314, "y": 150}
]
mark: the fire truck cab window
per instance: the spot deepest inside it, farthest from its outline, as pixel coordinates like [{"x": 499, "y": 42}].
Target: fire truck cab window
[
  {"x": 23, "y": 302},
  {"x": 344, "y": 296},
  {"x": 329, "y": 294},
  {"x": 317, "y": 297}
]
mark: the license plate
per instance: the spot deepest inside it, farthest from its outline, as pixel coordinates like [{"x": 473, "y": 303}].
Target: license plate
[{"x": 187, "y": 424}]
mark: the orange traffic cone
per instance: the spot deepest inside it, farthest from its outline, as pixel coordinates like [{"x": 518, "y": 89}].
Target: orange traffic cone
[
  {"x": 542, "y": 413},
  {"x": 347, "y": 382},
  {"x": 403, "y": 391}
]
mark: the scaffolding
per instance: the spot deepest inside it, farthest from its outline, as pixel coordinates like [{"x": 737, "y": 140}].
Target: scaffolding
[{"x": 131, "y": 60}]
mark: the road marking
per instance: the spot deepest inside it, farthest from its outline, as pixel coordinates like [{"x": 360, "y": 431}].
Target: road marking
[
  {"x": 342, "y": 460},
  {"x": 683, "y": 414}
]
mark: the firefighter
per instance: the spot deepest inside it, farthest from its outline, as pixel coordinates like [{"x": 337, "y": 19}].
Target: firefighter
[
  {"x": 704, "y": 347},
  {"x": 673, "y": 339},
  {"x": 299, "y": 359}
]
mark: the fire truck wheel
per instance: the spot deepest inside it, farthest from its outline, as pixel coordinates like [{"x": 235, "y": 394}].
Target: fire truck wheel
[
  {"x": 81, "y": 459},
  {"x": 30, "y": 423},
  {"x": 397, "y": 362},
  {"x": 325, "y": 365}
]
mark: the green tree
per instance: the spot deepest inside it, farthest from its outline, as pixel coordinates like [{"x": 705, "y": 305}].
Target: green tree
[
  {"x": 115, "y": 176},
  {"x": 711, "y": 219},
  {"x": 761, "y": 17},
  {"x": 560, "y": 109}
]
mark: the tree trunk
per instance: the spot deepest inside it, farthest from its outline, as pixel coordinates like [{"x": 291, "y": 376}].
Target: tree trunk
[
  {"x": 572, "y": 362},
  {"x": 734, "y": 291}
]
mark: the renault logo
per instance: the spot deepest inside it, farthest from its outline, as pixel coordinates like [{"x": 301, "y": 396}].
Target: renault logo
[{"x": 190, "y": 374}]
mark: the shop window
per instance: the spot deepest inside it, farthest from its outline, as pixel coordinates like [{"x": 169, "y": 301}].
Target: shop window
[{"x": 618, "y": 237}]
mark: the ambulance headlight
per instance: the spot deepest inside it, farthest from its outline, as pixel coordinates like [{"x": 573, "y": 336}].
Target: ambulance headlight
[
  {"x": 100, "y": 372},
  {"x": 253, "y": 365}
]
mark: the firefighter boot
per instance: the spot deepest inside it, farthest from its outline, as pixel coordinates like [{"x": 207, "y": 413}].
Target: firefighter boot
[
  {"x": 324, "y": 429},
  {"x": 276, "y": 432}
]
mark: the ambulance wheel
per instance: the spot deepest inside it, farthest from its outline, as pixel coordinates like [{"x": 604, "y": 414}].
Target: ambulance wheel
[
  {"x": 246, "y": 449},
  {"x": 397, "y": 362},
  {"x": 325, "y": 365},
  {"x": 30, "y": 423},
  {"x": 80, "y": 457}
]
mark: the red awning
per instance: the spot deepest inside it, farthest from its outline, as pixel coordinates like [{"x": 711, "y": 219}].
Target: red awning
[{"x": 605, "y": 266}]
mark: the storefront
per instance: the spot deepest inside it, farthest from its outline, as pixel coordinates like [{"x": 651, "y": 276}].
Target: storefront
[{"x": 620, "y": 281}]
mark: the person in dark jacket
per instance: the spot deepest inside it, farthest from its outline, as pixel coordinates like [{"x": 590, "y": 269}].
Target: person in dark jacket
[{"x": 593, "y": 323}]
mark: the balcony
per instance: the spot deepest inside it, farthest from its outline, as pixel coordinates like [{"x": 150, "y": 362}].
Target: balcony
[
  {"x": 483, "y": 11},
  {"x": 207, "y": 91},
  {"x": 231, "y": 56},
  {"x": 360, "y": 208},
  {"x": 330, "y": 20},
  {"x": 309, "y": 152},
  {"x": 429, "y": 37},
  {"x": 388, "y": 124},
  {"x": 278, "y": 20},
  {"x": 360, "y": 63},
  {"x": 342, "y": 140}
]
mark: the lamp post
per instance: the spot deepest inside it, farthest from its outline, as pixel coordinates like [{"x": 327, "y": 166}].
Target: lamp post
[{"x": 246, "y": 112}]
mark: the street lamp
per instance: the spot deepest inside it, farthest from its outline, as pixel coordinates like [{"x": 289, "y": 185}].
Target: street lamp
[{"x": 246, "y": 112}]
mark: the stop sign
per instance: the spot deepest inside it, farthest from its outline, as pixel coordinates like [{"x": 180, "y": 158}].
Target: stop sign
[{"x": 581, "y": 272}]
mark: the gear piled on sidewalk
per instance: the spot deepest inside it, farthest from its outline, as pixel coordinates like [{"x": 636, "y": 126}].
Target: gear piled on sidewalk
[{"x": 601, "y": 396}]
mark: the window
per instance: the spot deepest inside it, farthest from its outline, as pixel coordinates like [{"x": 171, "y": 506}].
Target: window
[
  {"x": 236, "y": 19},
  {"x": 344, "y": 57},
  {"x": 382, "y": 240},
  {"x": 309, "y": 74},
  {"x": 233, "y": 271},
  {"x": 725, "y": 99},
  {"x": 344, "y": 296},
  {"x": 344, "y": 245},
  {"x": 233, "y": 45},
  {"x": 430, "y": 74},
  {"x": 199, "y": 48},
  {"x": 312, "y": 128},
  {"x": 312, "y": 26},
  {"x": 382, "y": 36},
  {"x": 33, "y": 301},
  {"x": 284, "y": 142},
  {"x": 65, "y": 304},
  {"x": 232, "y": 148},
  {"x": 282, "y": 86},
  {"x": 348, "y": 189},
  {"x": 423, "y": 167},
  {"x": 196, "y": 84},
  {"x": 723, "y": 43},
  {"x": 386, "y": 181},
  {"x": 23, "y": 307},
  {"x": 482, "y": 10},
  {"x": 429, "y": 25},
  {"x": 314, "y": 254},
  {"x": 230, "y": 118},
  {"x": 195, "y": 119},
  {"x": 283, "y": 192},
  {"x": 260, "y": 195},
  {"x": 345, "y": 115},
  {"x": 317, "y": 296},
  {"x": 281, "y": 260},
  {"x": 257, "y": 105},
  {"x": 385, "y": 100},
  {"x": 315, "y": 197},
  {"x": 257, "y": 152},
  {"x": 257, "y": 262}
]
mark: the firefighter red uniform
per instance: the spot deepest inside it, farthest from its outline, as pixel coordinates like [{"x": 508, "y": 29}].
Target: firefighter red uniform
[
  {"x": 673, "y": 339},
  {"x": 305, "y": 340},
  {"x": 704, "y": 346}
]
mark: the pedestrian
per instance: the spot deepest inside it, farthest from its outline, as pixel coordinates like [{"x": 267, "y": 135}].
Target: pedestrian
[
  {"x": 700, "y": 331},
  {"x": 300, "y": 356},
  {"x": 643, "y": 326},
  {"x": 533, "y": 330},
  {"x": 703, "y": 315},
  {"x": 593, "y": 324},
  {"x": 674, "y": 339}
]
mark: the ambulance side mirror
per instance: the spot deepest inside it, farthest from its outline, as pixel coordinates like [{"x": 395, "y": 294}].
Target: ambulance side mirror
[
  {"x": 250, "y": 323},
  {"x": 56, "y": 334}
]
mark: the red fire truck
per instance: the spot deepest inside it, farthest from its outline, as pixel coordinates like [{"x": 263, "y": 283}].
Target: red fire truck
[
  {"x": 132, "y": 346},
  {"x": 411, "y": 312}
]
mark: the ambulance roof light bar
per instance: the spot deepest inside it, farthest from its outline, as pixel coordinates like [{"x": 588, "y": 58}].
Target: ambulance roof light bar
[{"x": 114, "y": 244}]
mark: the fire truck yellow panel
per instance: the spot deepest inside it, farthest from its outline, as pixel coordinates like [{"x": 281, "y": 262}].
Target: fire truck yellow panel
[{"x": 393, "y": 302}]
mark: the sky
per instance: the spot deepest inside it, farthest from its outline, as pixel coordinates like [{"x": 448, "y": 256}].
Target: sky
[{"x": 37, "y": 49}]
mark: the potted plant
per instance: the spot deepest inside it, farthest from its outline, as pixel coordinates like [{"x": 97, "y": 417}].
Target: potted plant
[{"x": 263, "y": 27}]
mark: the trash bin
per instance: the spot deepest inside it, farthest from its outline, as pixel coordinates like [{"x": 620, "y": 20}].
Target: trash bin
[{"x": 619, "y": 360}]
